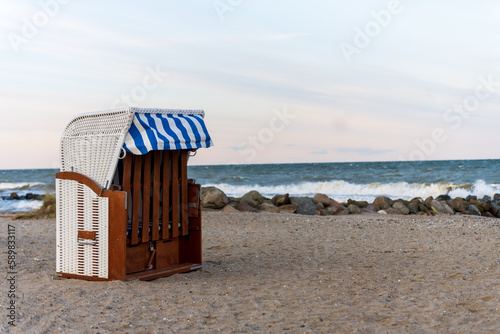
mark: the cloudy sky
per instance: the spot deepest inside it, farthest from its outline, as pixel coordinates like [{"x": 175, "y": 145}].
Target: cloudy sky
[{"x": 287, "y": 81}]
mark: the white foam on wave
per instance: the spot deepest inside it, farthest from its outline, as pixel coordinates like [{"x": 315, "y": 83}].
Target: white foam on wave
[
  {"x": 20, "y": 205},
  {"x": 342, "y": 190},
  {"x": 479, "y": 189},
  {"x": 21, "y": 185}
]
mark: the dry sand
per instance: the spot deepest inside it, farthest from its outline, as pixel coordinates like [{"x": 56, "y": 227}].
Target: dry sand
[{"x": 281, "y": 273}]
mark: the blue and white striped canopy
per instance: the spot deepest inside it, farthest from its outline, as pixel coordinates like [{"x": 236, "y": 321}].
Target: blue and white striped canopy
[{"x": 160, "y": 131}]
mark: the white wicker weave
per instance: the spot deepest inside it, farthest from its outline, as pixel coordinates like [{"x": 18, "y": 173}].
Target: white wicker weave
[{"x": 80, "y": 209}]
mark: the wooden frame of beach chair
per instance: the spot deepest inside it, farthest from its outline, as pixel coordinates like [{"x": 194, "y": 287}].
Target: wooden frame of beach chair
[{"x": 145, "y": 223}]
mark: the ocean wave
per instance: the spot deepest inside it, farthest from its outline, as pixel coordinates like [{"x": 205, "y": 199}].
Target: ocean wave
[
  {"x": 480, "y": 189},
  {"x": 342, "y": 190},
  {"x": 19, "y": 206},
  {"x": 20, "y": 186}
]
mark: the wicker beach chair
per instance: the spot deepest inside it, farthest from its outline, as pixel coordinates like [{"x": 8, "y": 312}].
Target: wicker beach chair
[{"x": 126, "y": 208}]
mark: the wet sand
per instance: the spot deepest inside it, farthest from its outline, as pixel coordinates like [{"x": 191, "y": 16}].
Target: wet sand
[{"x": 280, "y": 273}]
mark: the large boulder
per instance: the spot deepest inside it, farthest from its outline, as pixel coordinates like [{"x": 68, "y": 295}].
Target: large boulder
[
  {"x": 354, "y": 209},
  {"x": 401, "y": 209},
  {"x": 473, "y": 209},
  {"x": 330, "y": 211},
  {"x": 486, "y": 205},
  {"x": 213, "y": 198},
  {"x": 250, "y": 201},
  {"x": 383, "y": 202},
  {"x": 269, "y": 207},
  {"x": 288, "y": 208},
  {"x": 256, "y": 196},
  {"x": 438, "y": 208},
  {"x": 304, "y": 205},
  {"x": 319, "y": 206},
  {"x": 280, "y": 200},
  {"x": 359, "y": 204},
  {"x": 447, "y": 208},
  {"x": 370, "y": 209},
  {"x": 243, "y": 206},
  {"x": 413, "y": 207},
  {"x": 441, "y": 198},
  {"x": 457, "y": 204},
  {"x": 428, "y": 201},
  {"x": 495, "y": 210},
  {"x": 325, "y": 200}
]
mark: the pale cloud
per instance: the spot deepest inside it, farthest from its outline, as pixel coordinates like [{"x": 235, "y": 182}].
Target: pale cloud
[{"x": 286, "y": 36}]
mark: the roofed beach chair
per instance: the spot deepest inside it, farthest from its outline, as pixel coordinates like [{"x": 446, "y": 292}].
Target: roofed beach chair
[{"x": 126, "y": 208}]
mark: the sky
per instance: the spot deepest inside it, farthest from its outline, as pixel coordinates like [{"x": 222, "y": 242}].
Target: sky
[{"x": 281, "y": 82}]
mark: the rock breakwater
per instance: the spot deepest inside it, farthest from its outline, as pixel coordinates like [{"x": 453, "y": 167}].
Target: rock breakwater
[{"x": 215, "y": 199}]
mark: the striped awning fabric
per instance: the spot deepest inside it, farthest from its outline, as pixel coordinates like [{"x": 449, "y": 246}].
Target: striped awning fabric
[{"x": 161, "y": 131}]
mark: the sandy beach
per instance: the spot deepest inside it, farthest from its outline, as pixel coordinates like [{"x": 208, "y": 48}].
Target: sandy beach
[{"x": 280, "y": 273}]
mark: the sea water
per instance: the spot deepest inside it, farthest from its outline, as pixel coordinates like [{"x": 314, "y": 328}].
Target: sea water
[
  {"x": 22, "y": 182},
  {"x": 357, "y": 180},
  {"x": 341, "y": 181}
]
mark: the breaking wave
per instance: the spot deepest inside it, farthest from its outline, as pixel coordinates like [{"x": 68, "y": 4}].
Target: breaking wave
[{"x": 342, "y": 190}]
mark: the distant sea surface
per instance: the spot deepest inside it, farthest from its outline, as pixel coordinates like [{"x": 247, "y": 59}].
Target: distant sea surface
[{"x": 341, "y": 181}]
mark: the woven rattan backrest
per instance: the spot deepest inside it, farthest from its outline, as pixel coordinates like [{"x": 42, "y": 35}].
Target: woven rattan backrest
[{"x": 92, "y": 142}]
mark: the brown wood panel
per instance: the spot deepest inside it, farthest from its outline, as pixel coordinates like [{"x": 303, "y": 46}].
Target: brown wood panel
[
  {"x": 166, "y": 195},
  {"x": 193, "y": 199},
  {"x": 158, "y": 273},
  {"x": 155, "y": 233},
  {"x": 127, "y": 171},
  {"x": 80, "y": 178},
  {"x": 137, "y": 258},
  {"x": 184, "y": 193},
  {"x": 167, "y": 253},
  {"x": 117, "y": 234},
  {"x": 136, "y": 200},
  {"x": 175, "y": 194},
  {"x": 191, "y": 245},
  {"x": 90, "y": 235},
  {"x": 88, "y": 278},
  {"x": 146, "y": 193}
]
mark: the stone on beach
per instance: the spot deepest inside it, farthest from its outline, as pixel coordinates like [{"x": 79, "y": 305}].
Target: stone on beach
[
  {"x": 250, "y": 201},
  {"x": 288, "y": 208},
  {"x": 354, "y": 209},
  {"x": 304, "y": 205},
  {"x": 401, "y": 209},
  {"x": 280, "y": 200},
  {"x": 244, "y": 206},
  {"x": 256, "y": 196},
  {"x": 213, "y": 198},
  {"x": 457, "y": 204},
  {"x": 472, "y": 208},
  {"x": 413, "y": 207},
  {"x": 326, "y": 201},
  {"x": 370, "y": 209},
  {"x": 383, "y": 202},
  {"x": 495, "y": 210},
  {"x": 269, "y": 207}
]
